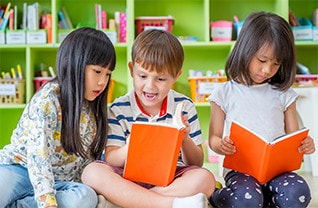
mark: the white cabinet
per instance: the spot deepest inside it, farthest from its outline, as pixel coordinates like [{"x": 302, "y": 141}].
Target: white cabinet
[{"x": 307, "y": 107}]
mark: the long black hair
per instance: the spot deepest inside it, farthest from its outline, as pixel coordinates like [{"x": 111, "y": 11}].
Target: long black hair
[
  {"x": 82, "y": 47},
  {"x": 261, "y": 29}
]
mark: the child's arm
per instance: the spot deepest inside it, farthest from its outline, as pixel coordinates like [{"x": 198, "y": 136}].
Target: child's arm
[
  {"x": 192, "y": 154},
  {"x": 217, "y": 144},
  {"x": 116, "y": 155},
  {"x": 291, "y": 125}
]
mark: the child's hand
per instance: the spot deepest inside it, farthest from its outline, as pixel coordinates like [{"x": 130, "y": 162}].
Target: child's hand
[
  {"x": 227, "y": 146},
  {"x": 186, "y": 123},
  {"x": 308, "y": 146}
]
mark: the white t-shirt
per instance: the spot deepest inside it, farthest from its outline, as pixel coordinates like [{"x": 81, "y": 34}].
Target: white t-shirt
[{"x": 258, "y": 107}]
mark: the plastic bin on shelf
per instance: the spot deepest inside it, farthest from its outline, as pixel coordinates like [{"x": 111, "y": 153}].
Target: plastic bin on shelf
[
  {"x": 39, "y": 81},
  {"x": 111, "y": 91},
  {"x": 201, "y": 87},
  {"x": 158, "y": 22},
  {"x": 12, "y": 91},
  {"x": 221, "y": 30}
]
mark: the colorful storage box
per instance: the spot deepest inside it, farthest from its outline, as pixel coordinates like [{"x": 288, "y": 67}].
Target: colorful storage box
[
  {"x": 12, "y": 91},
  {"x": 221, "y": 30},
  {"x": 15, "y": 37},
  {"x": 36, "y": 37},
  {"x": 315, "y": 33},
  {"x": 111, "y": 91},
  {"x": 2, "y": 37},
  {"x": 158, "y": 22},
  {"x": 237, "y": 27},
  {"x": 39, "y": 81},
  {"x": 304, "y": 31},
  {"x": 201, "y": 87}
]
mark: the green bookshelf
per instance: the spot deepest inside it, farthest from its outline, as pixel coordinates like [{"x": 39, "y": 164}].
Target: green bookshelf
[{"x": 192, "y": 18}]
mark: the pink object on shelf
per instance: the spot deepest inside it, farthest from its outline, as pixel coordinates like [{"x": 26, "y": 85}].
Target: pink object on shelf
[
  {"x": 159, "y": 22},
  {"x": 221, "y": 30},
  {"x": 122, "y": 27},
  {"x": 39, "y": 81}
]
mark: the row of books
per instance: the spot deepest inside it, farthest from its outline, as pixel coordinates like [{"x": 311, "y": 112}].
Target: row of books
[
  {"x": 34, "y": 19},
  {"x": 30, "y": 17},
  {"x": 117, "y": 24}
]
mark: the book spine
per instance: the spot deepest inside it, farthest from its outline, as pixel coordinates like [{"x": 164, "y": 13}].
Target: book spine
[
  {"x": 6, "y": 16},
  {"x": 62, "y": 19},
  {"x": 30, "y": 18},
  {"x": 264, "y": 165},
  {"x": 104, "y": 19},
  {"x": 98, "y": 16},
  {"x": 36, "y": 16},
  {"x": 11, "y": 19},
  {"x": 67, "y": 18},
  {"x": 49, "y": 27},
  {"x": 1, "y": 13},
  {"x": 122, "y": 27},
  {"x": 15, "y": 26},
  {"x": 24, "y": 18}
]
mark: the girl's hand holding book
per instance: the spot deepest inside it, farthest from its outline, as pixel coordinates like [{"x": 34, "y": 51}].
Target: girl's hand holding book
[
  {"x": 308, "y": 146},
  {"x": 227, "y": 146}
]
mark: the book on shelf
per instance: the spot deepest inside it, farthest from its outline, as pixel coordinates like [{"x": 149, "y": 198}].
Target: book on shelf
[
  {"x": 262, "y": 159},
  {"x": 67, "y": 18},
  {"x": 5, "y": 18},
  {"x": 62, "y": 21},
  {"x": 153, "y": 150},
  {"x": 100, "y": 17},
  {"x": 121, "y": 25},
  {"x": 32, "y": 19}
]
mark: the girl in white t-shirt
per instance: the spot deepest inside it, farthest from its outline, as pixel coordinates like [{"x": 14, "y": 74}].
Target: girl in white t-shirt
[{"x": 261, "y": 70}]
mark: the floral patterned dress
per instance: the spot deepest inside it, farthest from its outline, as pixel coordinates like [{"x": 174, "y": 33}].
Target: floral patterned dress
[{"x": 36, "y": 145}]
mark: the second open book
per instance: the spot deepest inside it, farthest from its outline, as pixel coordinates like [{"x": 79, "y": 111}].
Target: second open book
[
  {"x": 261, "y": 159},
  {"x": 153, "y": 150}
]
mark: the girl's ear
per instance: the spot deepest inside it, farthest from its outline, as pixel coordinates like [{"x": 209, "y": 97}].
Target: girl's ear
[{"x": 130, "y": 66}]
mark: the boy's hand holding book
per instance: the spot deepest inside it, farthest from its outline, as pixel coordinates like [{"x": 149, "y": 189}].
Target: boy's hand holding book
[{"x": 153, "y": 150}]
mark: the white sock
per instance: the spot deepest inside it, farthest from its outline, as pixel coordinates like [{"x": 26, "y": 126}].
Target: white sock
[
  {"x": 196, "y": 201},
  {"x": 101, "y": 201},
  {"x": 104, "y": 203}
]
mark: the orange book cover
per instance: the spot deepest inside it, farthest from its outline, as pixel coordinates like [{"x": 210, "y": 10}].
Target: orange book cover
[
  {"x": 49, "y": 27},
  {"x": 153, "y": 151},
  {"x": 261, "y": 159}
]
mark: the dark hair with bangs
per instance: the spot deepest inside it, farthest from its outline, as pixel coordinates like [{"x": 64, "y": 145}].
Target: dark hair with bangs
[
  {"x": 158, "y": 50},
  {"x": 264, "y": 29},
  {"x": 82, "y": 47}
]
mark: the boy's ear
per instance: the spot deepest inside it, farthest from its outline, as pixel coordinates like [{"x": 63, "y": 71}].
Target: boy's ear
[
  {"x": 130, "y": 66},
  {"x": 179, "y": 74}
]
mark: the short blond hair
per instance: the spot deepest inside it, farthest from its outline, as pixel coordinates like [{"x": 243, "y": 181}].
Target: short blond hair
[{"x": 158, "y": 50}]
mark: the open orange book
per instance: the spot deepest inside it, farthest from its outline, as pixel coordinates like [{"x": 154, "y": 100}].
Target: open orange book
[
  {"x": 153, "y": 151},
  {"x": 261, "y": 159}
]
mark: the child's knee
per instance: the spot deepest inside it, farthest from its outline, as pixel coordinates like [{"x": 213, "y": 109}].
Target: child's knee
[
  {"x": 240, "y": 197},
  {"x": 84, "y": 196},
  {"x": 292, "y": 191}
]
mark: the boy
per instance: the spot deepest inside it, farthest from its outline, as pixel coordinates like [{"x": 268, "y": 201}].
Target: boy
[{"x": 157, "y": 58}]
